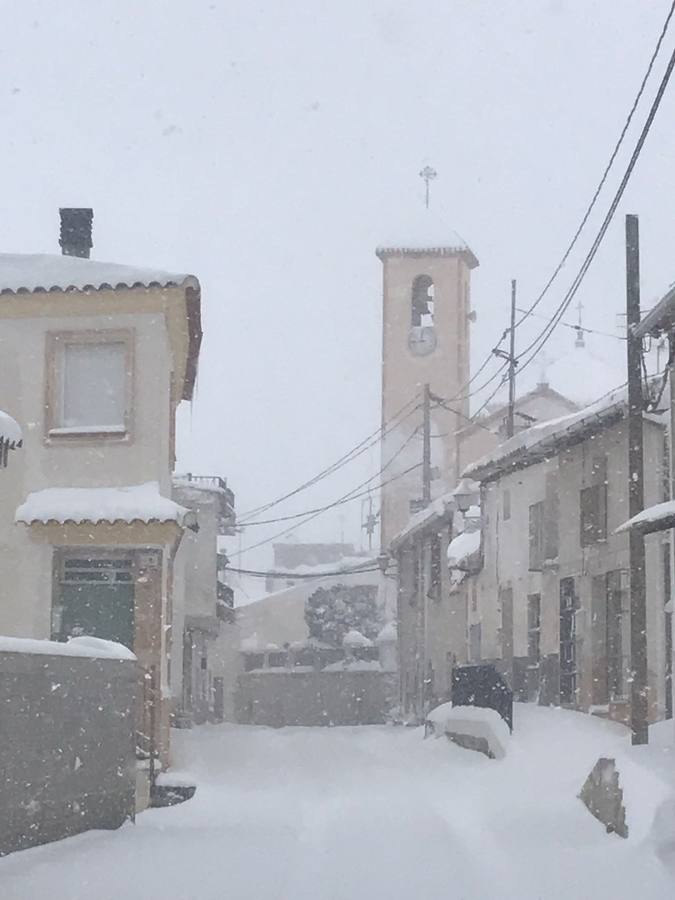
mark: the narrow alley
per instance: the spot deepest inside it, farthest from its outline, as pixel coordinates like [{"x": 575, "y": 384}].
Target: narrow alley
[{"x": 348, "y": 813}]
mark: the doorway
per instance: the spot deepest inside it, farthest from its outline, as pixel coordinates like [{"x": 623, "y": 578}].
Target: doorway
[
  {"x": 95, "y": 597},
  {"x": 506, "y": 603},
  {"x": 568, "y": 646}
]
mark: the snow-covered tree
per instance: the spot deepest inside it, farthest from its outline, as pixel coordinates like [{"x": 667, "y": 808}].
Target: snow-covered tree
[{"x": 331, "y": 612}]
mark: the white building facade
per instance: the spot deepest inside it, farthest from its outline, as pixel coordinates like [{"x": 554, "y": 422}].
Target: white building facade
[{"x": 551, "y": 603}]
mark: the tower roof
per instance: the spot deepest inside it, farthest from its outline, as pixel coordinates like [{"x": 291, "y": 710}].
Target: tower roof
[{"x": 424, "y": 232}]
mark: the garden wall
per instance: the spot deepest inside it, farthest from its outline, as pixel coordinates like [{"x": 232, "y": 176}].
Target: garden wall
[
  {"x": 288, "y": 697},
  {"x": 67, "y": 747}
]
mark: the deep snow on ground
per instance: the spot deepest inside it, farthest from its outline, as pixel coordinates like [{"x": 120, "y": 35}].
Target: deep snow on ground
[{"x": 374, "y": 812}]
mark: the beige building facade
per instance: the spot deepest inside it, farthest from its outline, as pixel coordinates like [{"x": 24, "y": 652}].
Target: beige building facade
[
  {"x": 426, "y": 341},
  {"x": 431, "y": 623},
  {"x": 204, "y": 641},
  {"x": 96, "y": 358}
]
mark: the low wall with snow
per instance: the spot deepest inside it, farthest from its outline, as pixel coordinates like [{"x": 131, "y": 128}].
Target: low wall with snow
[
  {"x": 289, "y": 697},
  {"x": 67, "y": 748}
]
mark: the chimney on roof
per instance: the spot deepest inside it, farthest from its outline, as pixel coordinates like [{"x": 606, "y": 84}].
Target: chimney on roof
[{"x": 75, "y": 237}]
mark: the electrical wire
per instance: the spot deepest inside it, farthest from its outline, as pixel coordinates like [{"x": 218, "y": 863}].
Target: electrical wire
[
  {"x": 609, "y": 165},
  {"x": 617, "y": 337},
  {"x": 354, "y": 453},
  {"x": 471, "y": 419},
  {"x": 349, "y": 494},
  {"x": 538, "y": 343},
  {"x": 584, "y": 220},
  {"x": 331, "y": 505},
  {"x": 304, "y": 575}
]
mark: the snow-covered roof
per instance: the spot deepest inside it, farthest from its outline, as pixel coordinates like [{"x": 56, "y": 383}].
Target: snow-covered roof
[
  {"x": 29, "y": 272},
  {"x": 424, "y": 231},
  {"x": 544, "y": 439},
  {"x": 10, "y": 436},
  {"x": 659, "y": 517},
  {"x": 387, "y": 634},
  {"x": 138, "y": 502},
  {"x": 438, "y": 510},
  {"x": 311, "y": 643},
  {"x": 354, "y": 665},
  {"x": 250, "y": 644},
  {"x": 354, "y": 638},
  {"x": 209, "y": 484},
  {"x": 462, "y": 547},
  {"x": 76, "y": 646},
  {"x": 661, "y": 317},
  {"x": 9, "y": 430}
]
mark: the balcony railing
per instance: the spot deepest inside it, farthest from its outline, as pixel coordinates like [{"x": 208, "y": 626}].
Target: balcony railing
[{"x": 226, "y": 513}]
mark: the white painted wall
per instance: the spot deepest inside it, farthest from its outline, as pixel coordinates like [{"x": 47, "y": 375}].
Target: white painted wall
[
  {"x": 506, "y": 548},
  {"x": 195, "y": 594}
]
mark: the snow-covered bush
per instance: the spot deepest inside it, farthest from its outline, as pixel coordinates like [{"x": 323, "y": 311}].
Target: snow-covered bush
[{"x": 333, "y": 612}]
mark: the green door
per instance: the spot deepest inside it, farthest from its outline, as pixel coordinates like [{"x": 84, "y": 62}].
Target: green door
[{"x": 97, "y": 599}]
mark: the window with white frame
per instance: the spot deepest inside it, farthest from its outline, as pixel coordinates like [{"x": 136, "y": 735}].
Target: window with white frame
[{"x": 89, "y": 381}]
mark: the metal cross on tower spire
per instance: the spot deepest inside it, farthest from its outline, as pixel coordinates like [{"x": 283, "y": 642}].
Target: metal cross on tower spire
[{"x": 428, "y": 174}]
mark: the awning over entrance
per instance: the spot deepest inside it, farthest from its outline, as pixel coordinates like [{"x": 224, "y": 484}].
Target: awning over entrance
[{"x": 95, "y": 505}]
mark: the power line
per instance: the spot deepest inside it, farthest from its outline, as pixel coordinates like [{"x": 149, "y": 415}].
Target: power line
[
  {"x": 350, "y": 495},
  {"x": 304, "y": 575},
  {"x": 609, "y": 165},
  {"x": 328, "y": 506},
  {"x": 346, "y": 496},
  {"x": 617, "y": 337},
  {"x": 584, "y": 220},
  {"x": 538, "y": 343},
  {"x": 541, "y": 339},
  {"x": 354, "y": 453},
  {"x": 470, "y": 419}
]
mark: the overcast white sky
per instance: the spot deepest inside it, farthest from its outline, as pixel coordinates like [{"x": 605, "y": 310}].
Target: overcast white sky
[{"x": 267, "y": 148}]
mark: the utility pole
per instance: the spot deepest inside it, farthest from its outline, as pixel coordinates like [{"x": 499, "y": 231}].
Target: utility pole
[
  {"x": 426, "y": 447},
  {"x": 638, "y": 617},
  {"x": 512, "y": 363}
]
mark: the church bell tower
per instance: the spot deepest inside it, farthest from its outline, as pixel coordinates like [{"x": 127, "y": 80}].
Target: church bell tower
[{"x": 426, "y": 319}]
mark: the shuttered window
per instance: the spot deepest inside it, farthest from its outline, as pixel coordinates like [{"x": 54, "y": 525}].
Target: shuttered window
[
  {"x": 593, "y": 505},
  {"x": 537, "y": 541},
  {"x": 533, "y": 626}
]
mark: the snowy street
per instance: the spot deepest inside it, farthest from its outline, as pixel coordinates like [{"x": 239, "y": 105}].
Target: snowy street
[{"x": 371, "y": 812}]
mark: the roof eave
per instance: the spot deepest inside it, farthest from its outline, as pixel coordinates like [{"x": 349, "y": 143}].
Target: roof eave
[
  {"x": 547, "y": 449},
  {"x": 645, "y": 528},
  {"x": 661, "y": 318},
  {"x": 430, "y": 524},
  {"x": 466, "y": 253}
]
